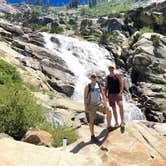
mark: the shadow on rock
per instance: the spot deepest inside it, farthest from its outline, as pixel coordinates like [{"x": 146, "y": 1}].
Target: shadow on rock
[{"x": 101, "y": 137}]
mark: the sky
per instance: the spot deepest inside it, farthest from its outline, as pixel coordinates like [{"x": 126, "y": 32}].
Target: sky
[{"x": 52, "y": 2}]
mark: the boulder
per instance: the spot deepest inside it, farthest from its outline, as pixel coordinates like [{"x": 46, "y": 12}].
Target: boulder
[
  {"x": 62, "y": 87},
  {"x": 112, "y": 24},
  {"x": 38, "y": 137},
  {"x": 17, "y": 30},
  {"x": 5, "y": 33},
  {"x": 37, "y": 39},
  {"x": 7, "y": 8},
  {"x": 17, "y": 153},
  {"x": 3, "y": 135},
  {"x": 139, "y": 145},
  {"x": 160, "y": 128}
]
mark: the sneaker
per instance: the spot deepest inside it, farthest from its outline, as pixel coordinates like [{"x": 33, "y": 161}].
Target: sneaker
[
  {"x": 122, "y": 127},
  {"x": 94, "y": 139},
  {"x": 109, "y": 129},
  {"x": 116, "y": 125}
]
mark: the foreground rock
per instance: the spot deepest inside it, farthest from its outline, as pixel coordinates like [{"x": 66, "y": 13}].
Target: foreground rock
[
  {"x": 38, "y": 137},
  {"x": 139, "y": 145},
  {"x": 23, "y": 154}
]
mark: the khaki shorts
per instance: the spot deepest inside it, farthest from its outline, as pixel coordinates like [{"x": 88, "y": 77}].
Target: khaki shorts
[{"x": 93, "y": 109}]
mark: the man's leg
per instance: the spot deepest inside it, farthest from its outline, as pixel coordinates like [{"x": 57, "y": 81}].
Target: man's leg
[
  {"x": 120, "y": 105},
  {"x": 108, "y": 118},
  {"x": 113, "y": 105},
  {"x": 115, "y": 114}
]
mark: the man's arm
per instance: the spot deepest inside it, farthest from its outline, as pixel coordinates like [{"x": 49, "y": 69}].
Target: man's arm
[{"x": 86, "y": 98}]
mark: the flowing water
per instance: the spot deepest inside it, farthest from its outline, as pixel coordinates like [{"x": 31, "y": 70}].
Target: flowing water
[{"x": 83, "y": 58}]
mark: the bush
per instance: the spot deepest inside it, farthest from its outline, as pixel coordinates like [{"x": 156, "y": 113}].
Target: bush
[
  {"x": 156, "y": 40},
  {"x": 68, "y": 27},
  {"x": 56, "y": 29},
  {"x": 59, "y": 132},
  {"x": 138, "y": 35},
  {"x": 18, "y": 109},
  {"x": 44, "y": 29},
  {"x": 146, "y": 30},
  {"x": 8, "y": 73},
  {"x": 106, "y": 38},
  {"x": 86, "y": 22},
  {"x": 159, "y": 20}
]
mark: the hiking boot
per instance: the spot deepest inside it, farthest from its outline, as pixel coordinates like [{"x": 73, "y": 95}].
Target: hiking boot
[
  {"x": 94, "y": 139},
  {"x": 116, "y": 125},
  {"x": 109, "y": 129},
  {"x": 122, "y": 127}
]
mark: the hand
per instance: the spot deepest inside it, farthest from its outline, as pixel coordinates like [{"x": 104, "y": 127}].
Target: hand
[
  {"x": 86, "y": 109},
  {"x": 105, "y": 104}
]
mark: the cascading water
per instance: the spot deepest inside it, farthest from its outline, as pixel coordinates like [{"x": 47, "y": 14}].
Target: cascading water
[{"x": 83, "y": 58}]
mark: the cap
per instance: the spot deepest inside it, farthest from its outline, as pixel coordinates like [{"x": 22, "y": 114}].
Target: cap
[
  {"x": 112, "y": 65},
  {"x": 93, "y": 75}
]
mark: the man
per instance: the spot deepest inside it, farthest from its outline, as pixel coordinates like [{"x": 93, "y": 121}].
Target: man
[
  {"x": 114, "y": 91},
  {"x": 93, "y": 96}
]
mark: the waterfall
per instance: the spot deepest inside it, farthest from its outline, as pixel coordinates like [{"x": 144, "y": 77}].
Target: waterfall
[{"x": 83, "y": 58}]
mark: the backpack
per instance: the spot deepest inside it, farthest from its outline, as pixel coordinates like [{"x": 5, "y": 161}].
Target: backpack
[{"x": 90, "y": 89}]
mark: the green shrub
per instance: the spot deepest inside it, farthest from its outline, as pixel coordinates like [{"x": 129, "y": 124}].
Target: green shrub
[
  {"x": 18, "y": 110},
  {"x": 105, "y": 8},
  {"x": 59, "y": 132},
  {"x": 159, "y": 20},
  {"x": 68, "y": 27},
  {"x": 138, "y": 35},
  {"x": 156, "y": 40},
  {"x": 111, "y": 15},
  {"x": 44, "y": 29},
  {"x": 56, "y": 29},
  {"x": 86, "y": 22},
  {"x": 145, "y": 30},
  {"x": 8, "y": 73},
  {"x": 106, "y": 38}
]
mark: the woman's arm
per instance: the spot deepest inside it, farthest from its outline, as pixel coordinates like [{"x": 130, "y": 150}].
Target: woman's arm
[{"x": 86, "y": 98}]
